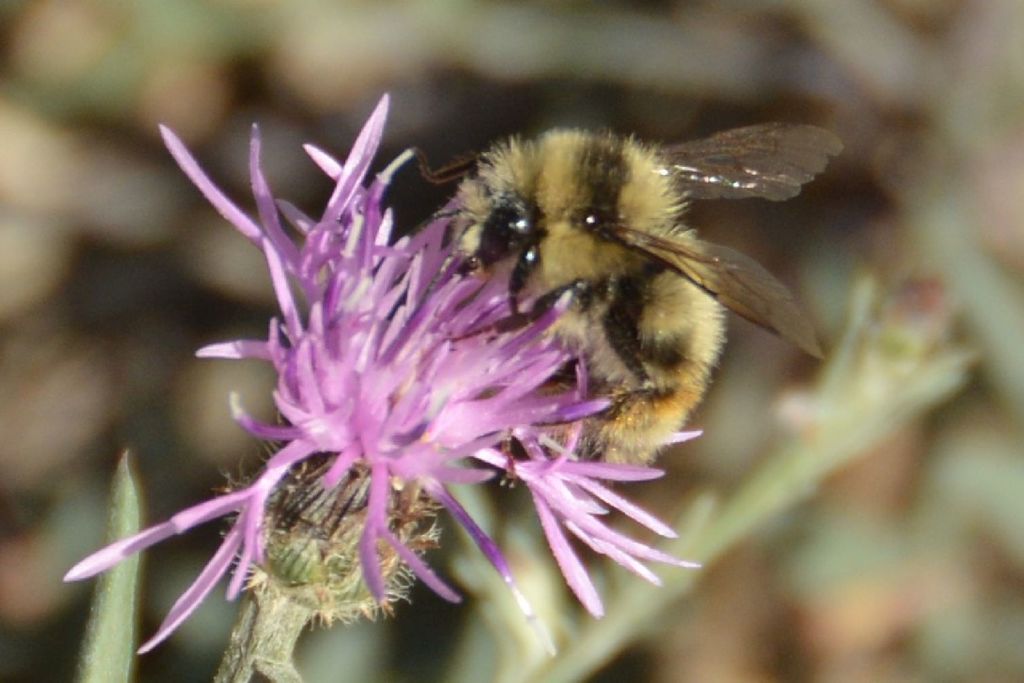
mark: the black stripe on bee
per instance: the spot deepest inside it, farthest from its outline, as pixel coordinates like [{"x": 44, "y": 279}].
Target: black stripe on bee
[
  {"x": 622, "y": 323},
  {"x": 628, "y": 297},
  {"x": 665, "y": 352},
  {"x": 604, "y": 171}
]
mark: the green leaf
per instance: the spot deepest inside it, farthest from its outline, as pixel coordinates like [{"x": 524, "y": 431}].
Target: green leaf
[{"x": 109, "y": 645}]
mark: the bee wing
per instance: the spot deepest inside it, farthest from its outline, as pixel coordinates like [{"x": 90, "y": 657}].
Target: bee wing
[
  {"x": 737, "y": 281},
  {"x": 770, "y": 160}
]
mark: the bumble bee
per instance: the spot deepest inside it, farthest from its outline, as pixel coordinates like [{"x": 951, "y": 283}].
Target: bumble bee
[{"x": 602, "y": 216}]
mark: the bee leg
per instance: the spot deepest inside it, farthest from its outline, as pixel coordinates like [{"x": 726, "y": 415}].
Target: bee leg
[
  {"x": 579, "y": 289},
  {"x": 514, "y": 452},
  {"x": 519, "y": 319},
  {"x": 525, "y": 264}
]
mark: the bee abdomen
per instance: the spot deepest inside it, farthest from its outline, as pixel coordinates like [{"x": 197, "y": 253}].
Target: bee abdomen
[
  {"x": 667, "y": 333},
  {"x": 638, "y": 423}
]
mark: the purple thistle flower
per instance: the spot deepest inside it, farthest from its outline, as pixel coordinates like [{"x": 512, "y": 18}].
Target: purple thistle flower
[{"x": 382, "y": 365}]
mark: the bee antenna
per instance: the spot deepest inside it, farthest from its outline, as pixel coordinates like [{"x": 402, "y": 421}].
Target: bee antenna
[{"x": 453, "y": 170}]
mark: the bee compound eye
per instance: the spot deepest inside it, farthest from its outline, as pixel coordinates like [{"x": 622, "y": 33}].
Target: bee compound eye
[
  {"x": 469, "y": 265},
  {"x": 503, "y": 231}
]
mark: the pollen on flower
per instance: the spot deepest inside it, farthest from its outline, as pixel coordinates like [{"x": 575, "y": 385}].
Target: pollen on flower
[{"x": 389, "y": 397}]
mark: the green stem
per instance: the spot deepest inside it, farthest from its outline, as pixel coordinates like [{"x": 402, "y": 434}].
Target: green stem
[{"x": 263, "y": 640}]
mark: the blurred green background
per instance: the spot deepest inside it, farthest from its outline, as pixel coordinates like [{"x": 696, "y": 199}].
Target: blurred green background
[{"x": 906, "y": 565}]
